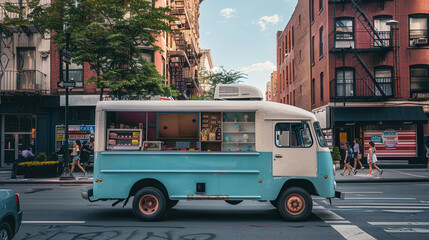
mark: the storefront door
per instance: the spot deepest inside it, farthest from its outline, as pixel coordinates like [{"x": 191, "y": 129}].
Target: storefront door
[{"x": 14, "y": 144}]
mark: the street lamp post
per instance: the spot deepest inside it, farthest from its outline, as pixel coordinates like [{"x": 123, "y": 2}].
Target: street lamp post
[{"x": 66, "y": 173}]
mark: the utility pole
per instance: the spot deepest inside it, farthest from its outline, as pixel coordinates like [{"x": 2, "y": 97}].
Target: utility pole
[{"x": 66, "y": 173}]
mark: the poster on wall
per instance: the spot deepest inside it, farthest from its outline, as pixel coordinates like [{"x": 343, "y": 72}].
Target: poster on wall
[
  {"x": 392, "y": 142},
  {"x": 343, "y": 140},
  {"x": 76, "y": 132}
]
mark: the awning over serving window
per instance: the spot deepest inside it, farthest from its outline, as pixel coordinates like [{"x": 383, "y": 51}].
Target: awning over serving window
[{"x": 376, "y": 114}]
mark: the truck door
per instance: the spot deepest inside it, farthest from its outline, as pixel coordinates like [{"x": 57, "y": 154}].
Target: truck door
[{"x": 294, "y": 150}]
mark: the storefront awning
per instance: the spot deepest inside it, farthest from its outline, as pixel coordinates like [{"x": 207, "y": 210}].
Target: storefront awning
[{"x": 376, "y": 114}]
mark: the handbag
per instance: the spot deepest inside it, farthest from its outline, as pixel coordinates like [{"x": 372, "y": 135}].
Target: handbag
[{"x": 359, "y": 156}]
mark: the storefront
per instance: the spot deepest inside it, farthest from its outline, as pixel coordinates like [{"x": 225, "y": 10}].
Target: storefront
[
  {"x": 396, "y": 131},
  {"x": 25, "y": 123}
]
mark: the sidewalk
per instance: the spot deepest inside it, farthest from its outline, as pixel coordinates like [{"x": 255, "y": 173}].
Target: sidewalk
[
  {"x": 389, "y": 175},
  {"x": 79, "y": 179}
]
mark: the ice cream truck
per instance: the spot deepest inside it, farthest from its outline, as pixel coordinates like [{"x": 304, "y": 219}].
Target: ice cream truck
[{"x": 234, "y": 148}]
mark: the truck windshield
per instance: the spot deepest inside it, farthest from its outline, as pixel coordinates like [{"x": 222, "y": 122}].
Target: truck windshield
[{"x": 319, "y": 134}]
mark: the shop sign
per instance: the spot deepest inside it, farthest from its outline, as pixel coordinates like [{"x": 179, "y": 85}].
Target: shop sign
[
  {"x": 76, "y": 132},
  {"x": 390, "y": 138},
  {"x": 343, "y": 140},
  {"x": 376, "y": 139}
]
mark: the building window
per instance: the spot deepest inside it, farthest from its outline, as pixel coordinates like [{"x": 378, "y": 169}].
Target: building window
[
  {"x": 383, "y": 31},
  {"x": 344, "y": 33},
  {"x": 26, "y": 66},
  {"x": 83, "y": 114},
  {"x": 345, "y": 82},
  {"x": 299, "y": 19},
  {"x": 312, "y": 50},
  {"x": 313, "y": 91},
  {"x": 418, "y": 30},
  {"x": 75, "y": 74},
  {"x": 320, "y": 5},
  {"x": 383, "y": 76},
  {"x": 293, "y": 38},
  {"x": 312, "y": 11},
  {"x": 321, "y": 42},
  {"x": 419, "y": 78},
  {"x": 321, "y": 87}
]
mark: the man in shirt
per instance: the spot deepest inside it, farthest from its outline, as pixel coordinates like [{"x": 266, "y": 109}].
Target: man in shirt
[{"x": 27, "y": 154}]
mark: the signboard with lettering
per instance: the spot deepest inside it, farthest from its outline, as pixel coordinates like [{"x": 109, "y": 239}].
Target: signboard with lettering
[
  {"x": 76, "y": 132},
  {"x": 400, "y": 142}
]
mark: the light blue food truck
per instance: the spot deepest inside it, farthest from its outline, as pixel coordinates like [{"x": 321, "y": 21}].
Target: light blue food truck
[{"x": 235, "y": 148}]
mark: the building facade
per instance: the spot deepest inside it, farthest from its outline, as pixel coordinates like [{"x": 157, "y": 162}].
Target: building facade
[
  {"x": 268, "y": 93},
  {"x": 369, "y": 73},
  {"x": 32, "y": 105},
  {"x": 273, "y": 80}
]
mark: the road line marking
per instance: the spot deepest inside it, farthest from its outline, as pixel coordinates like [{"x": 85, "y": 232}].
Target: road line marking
[
  {"x": 409, "y": 174},
  {"x": 352, "y": 232},
  {"x": 364, "y": 192},
  {"x": 406, "y": 230},
  {"x": 404, "y": 211},
  {"x": 399, "y": 223},
  {"x": 318, "y": 207},
  {"x": 375, "y": 198},
  {"x": 393, "y": 204},
  {"x": 54, "y": 222},
  {"x": 393, "y": 207},
  {"x": 337, "y": 222}
]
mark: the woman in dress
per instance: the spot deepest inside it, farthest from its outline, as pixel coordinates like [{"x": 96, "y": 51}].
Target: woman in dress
[
  {"x": 75, "y": 154},
  {"x": 372, "y": 158},
  {"x": 357, "y": 155}
]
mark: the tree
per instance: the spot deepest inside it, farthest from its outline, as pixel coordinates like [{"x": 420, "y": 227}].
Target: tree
[
  {"x": 109, "y": 35},
  {"x": 222, "y": 76}
]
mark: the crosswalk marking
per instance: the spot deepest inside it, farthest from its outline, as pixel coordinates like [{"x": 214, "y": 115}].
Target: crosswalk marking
[
  {"x": 406, "y": 230},
  {"x": 392, "y": 207},
  {"x": 377, "y": 198},
  {"x": 337, "y": 222},
  {"x": 399, "y": 223},
  {"x": 352, "y": 232}
]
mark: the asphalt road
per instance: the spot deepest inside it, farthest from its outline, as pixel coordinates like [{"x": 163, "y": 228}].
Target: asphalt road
[{"x": 371, "y": 211}]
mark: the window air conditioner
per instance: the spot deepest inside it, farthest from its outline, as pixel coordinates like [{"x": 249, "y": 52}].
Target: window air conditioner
[{"x": 421, "y": 41}]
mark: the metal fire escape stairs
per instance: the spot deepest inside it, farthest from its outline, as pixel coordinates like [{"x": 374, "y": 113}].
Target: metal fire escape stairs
[{"x": 366, "y": 23}]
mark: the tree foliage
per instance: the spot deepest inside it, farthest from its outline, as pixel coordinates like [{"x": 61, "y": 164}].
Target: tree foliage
[
  {"x": 110, "y": 36},
  {"x": 222, "y": 76}
]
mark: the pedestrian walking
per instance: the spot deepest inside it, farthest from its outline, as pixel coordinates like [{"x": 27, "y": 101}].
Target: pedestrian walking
[
  {"x": 357, "y": 155},
  {"x": 347, "y": 160},
  {"x": 77, "y": 146},
  {"x": 372, "y": 159}
]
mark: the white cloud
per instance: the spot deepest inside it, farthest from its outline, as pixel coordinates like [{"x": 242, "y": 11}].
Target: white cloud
[
  {"x": 263, "y": 21},
  {"x": 262, "y": 66},
  {"x": 227, "y": 12}
]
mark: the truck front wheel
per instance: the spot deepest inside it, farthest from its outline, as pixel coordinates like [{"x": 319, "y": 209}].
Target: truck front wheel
[
  {"x": 295, "y": 204},
  {"x": 149, "y": 204}
]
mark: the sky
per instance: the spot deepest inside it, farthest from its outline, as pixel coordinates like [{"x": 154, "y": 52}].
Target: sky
[{"x": 241, "y": 35}]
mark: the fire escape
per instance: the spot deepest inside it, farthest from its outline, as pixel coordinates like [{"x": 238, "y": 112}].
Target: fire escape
[
  {"x": 24, "y": 79},
  {"x": 185, "y": 58},
  {"x": 366, "y": 85}
]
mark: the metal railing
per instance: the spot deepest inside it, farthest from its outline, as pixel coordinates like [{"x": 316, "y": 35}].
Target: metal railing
[
  {"x": 359, "y": 40},
  {"x": 24, "y": 81},
  {"x": 360, "y": 88}
]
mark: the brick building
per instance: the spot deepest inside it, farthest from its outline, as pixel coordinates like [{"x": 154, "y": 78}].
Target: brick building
[
  {"x": 32, "y": 106},
  {"x": 368, "y": 72},
  {"x": 268, "y": 93},
  {"x": 273, "y": 80}
]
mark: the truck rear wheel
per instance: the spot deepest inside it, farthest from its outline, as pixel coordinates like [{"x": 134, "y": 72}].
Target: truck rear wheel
[
  {"x": 295, "y": 204},
  {"x": 149, "y": 204},
  {"x": 233, "y": 202}
]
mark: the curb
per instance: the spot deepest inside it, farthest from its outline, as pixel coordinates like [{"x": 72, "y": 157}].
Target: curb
[{"x": 385, "y": 180}]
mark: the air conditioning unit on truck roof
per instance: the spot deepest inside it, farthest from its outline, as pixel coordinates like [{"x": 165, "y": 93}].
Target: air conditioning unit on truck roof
[{"x": 237, "y": 92}]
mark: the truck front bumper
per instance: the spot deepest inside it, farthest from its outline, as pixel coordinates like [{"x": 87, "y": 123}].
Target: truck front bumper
[{"x": 87, "y": 193}]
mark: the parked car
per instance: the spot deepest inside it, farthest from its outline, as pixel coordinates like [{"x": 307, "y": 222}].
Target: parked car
[{"x": 10, "y": 214}]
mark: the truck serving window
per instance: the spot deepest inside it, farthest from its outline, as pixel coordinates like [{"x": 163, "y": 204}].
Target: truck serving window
[
  {"x": 319, "y": 135},
  {"x": 295, "y": 135}
]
